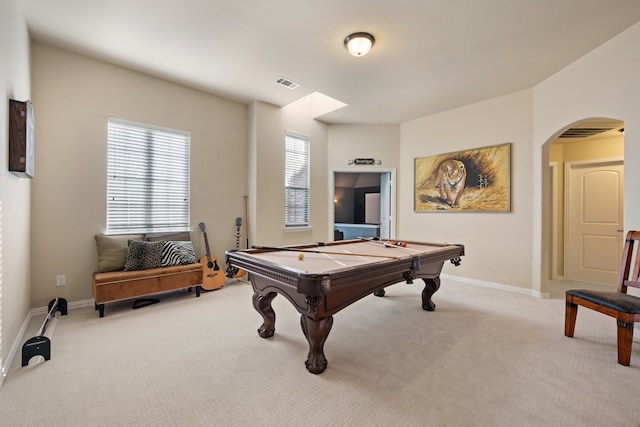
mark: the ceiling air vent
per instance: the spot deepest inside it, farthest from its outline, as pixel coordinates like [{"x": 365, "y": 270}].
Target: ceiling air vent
[
  {"x": 583, "y": 132},
  {"x": 287, "y": 83}
]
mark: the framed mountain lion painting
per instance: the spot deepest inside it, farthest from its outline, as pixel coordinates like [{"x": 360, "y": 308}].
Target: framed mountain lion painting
[{"x": 471, "y": 180}]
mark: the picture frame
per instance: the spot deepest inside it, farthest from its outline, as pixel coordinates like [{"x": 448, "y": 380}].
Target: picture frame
[{"x": 474, "y": 180}]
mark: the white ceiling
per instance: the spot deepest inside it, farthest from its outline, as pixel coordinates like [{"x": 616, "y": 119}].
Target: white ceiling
[{"x": 429, "y": 55}]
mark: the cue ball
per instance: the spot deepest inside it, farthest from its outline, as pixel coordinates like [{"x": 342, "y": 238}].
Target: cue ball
[{"x": 300, "y": 256}]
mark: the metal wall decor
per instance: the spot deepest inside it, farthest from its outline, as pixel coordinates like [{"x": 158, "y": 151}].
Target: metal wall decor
[{"x": 363, "y": 161}]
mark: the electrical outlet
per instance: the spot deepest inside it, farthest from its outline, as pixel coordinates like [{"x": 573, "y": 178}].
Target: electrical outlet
[{"x": 61, "y": 280}]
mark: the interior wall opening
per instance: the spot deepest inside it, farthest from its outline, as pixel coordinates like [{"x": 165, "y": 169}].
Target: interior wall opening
[
  {"x": 585, "y": 195},
  {"x": 363, "y": 205}
]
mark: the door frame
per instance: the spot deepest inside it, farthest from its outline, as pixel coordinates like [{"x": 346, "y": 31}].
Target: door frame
[
  {"x": 554, "y": 225},
  {"x": 392, "y": 198},
  {"x": 568, "y": 243}
]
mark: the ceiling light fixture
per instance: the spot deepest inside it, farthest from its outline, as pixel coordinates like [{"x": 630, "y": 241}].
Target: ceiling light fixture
[{"x": 359, "y": 44}]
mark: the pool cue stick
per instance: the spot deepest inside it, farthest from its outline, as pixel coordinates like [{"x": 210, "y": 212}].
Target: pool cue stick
[
  {"x": 277, "y": 248},
  {"x": 246, "y": 220},
  {"x": 388, "y": 245},
  {"x": 378, "y": 242}
]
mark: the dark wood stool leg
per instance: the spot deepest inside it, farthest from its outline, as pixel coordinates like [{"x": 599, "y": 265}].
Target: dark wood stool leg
[
  {"x": 570, "y": 314},
  {"x": 625, "y": 341}
]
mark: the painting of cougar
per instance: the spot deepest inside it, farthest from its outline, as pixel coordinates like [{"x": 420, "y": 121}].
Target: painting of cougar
[
  {"x": 471, "y": 180},
  {"x": 452, "y": 176}
]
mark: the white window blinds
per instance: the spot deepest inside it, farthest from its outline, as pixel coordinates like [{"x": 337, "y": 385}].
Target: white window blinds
[
  {"x": 148, "y": 178},
  {"x": 296, "y": 181}
]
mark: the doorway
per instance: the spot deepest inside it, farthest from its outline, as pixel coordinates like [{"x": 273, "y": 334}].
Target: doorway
[
  {"x": 363, "y": 204},
  {"x": 586, "y": 200}
]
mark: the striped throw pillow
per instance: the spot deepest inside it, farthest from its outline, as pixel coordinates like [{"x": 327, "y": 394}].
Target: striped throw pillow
[{"x": 177, "y": 253}]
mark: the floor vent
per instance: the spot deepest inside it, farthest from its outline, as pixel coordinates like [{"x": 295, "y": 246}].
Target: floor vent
[{"x": 287, "y": 83}]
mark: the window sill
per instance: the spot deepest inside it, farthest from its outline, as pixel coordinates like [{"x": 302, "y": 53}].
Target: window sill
[{"x": 297, "y": 229}]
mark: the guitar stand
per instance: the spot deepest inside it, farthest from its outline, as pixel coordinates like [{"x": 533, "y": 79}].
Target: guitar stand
[{"x": 143, "y": 302}]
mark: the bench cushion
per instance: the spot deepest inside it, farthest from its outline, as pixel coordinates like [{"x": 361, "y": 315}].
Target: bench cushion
[{"x": 614, "y": 300}]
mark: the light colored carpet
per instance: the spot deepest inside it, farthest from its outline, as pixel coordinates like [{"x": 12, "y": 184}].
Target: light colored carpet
[{"x": 485, "y": 357}]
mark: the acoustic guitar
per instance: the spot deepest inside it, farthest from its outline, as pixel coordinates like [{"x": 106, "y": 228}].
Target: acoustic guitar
[
  {"x": 233, "y": 272},
  {"x": 212, "y": 277}
]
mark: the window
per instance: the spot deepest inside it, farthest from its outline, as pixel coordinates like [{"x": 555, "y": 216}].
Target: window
[
  {"x": 147, "y": 178},
  {"x": 296, "y": 181}
]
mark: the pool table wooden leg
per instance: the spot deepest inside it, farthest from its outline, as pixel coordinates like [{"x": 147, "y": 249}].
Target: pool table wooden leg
[
  {"x": 262, "y": 304},
  {"x": 316, "y": 332},
  {"x": 430, "y": 288}
]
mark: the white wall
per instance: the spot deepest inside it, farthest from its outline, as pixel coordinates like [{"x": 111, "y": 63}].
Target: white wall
[
  {"x": 380, "y": 142},
  {"x": 15, "y": 193},
  {"x": 73, "y": 96},
  {"x": 269, "y": 124},
  {"x": 602, "y": 84},
  {"x": 497, "y": 245},
  {"x": 350, "y": 141}
]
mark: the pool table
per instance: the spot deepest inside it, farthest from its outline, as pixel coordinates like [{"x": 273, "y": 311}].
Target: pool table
[{"x": 321, "y": 279}]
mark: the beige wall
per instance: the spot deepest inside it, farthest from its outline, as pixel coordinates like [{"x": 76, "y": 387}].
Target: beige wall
[
  {"x": 347, "y": 142},
  {"x": 602, "y": 84},
  {"x": 497, "y": 245},
  {"x": 15, "y": 193},
  {"x": 269, "y": 124},
  {"x": 74, "y": 96},
  {"x": 380, "y": 142},
  {"x": 604, "y": 148},
  {"x": 331, "y": 147}
]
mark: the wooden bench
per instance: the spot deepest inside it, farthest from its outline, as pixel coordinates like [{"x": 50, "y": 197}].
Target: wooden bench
[
  {"x": 624, "y": 307},
  {"x": 121, "y": 285}
]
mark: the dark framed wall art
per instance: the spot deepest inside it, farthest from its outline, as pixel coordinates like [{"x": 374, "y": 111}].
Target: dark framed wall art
[{"x": 478, "y": 179}]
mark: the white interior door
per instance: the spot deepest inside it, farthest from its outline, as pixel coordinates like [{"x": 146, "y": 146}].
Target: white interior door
[
  {"x": 385, "y": 205},
  {"x": 595, "y": 220}
]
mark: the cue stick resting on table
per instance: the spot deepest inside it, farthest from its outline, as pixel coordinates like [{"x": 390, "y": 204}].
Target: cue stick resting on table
[
  {"x": 389, "y": 245},
  {"x": 278, "y": 248},
  {"x": 377, "y": 240},
  {"x": 386, "y": 243}
]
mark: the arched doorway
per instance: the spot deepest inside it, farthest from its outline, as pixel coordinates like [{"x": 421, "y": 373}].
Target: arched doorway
[{"x": 585, "y": 177}]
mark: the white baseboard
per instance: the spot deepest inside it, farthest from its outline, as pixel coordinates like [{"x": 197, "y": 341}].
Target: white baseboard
[
  {"x": 16, "y": 345},
  {"x": 494, "y": 285},
  {"x": 70, "y": 306}
]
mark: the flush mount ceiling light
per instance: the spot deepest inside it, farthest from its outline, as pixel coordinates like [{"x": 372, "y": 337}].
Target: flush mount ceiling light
[{"x": 359, "y": 44}]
